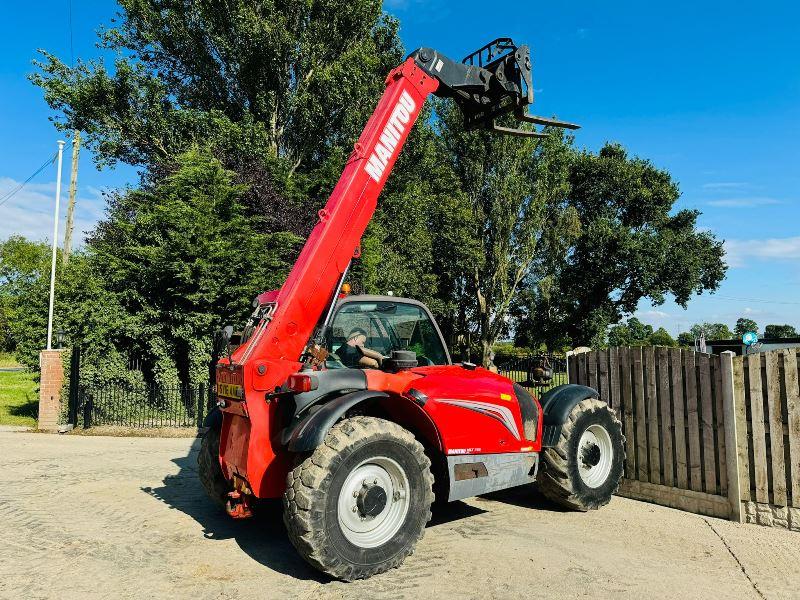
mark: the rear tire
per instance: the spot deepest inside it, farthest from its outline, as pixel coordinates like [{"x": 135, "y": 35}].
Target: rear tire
[
  {"x": 209, "y": 470},
  {"x": 358, "y": 505},
  {"x": 583, "y": 470}
]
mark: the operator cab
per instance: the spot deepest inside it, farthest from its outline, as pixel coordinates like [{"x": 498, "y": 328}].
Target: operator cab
[{"x": 364, "y": 329}]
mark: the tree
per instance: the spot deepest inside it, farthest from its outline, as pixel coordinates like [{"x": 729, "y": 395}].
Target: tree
[
  {"x": 631, "y": 246},
  {"x": 685, "y": 340},
  {"x": 743, "y": 325},
  {"x": 712, "y": 331},
  {"x": 21, "y": 262},
  {"x": 779, "y": 331},
  {"x": 290, "y": 79},
  {"x": 620, "y": 335},
  {"x": 515, "y": 189},
  {"x": 661, "y": 337},
  {"x": 632, "y": 333}
]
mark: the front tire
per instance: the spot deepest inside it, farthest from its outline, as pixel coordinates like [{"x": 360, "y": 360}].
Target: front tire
[
  {"x": 358, "y": 505},
  {"x": 583, "y": 470}
]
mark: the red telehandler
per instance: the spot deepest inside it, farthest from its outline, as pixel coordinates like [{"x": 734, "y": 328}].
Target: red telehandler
[{"x": 350, "y": 408}]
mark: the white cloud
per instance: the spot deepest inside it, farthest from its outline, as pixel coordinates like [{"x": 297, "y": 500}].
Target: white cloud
[
  {"x": 653, "y": 314},
  {"x": 737, "y": 252},
  {"x": 30, "y": 211},
  {"x": 745, "y": 202}
]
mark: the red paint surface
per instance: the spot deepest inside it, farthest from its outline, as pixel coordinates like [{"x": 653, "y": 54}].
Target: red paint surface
[{"x": 466, "y": 431}]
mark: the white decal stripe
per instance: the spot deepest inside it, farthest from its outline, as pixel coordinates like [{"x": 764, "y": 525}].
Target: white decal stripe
[{"x": 501, "y": 413}]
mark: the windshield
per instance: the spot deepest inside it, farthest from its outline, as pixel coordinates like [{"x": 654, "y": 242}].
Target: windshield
[{"x": 383, "y": 327}]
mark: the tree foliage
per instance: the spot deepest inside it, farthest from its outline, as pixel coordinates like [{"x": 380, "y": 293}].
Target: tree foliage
[
  {"x": 779, "y": 331},
  {"x": 661, "y": 337},
  {"x": 711, "y": 331},
  {"x": 743, "y": 325},
  {"x": 22, "y": 262},
  {"x": 631, "y": 333},
  {"x": 632, "y": 245},
  {"x": 636, "y": 333},
  {"x": 293, "y": 78}
]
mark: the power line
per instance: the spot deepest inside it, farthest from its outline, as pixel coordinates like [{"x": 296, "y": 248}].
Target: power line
[{"x": 8, "y": 195}]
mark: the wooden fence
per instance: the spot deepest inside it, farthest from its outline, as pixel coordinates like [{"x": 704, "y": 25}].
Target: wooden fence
[
  {"x": 768, "y": 418},
  {"x": 703, "y": 432}
]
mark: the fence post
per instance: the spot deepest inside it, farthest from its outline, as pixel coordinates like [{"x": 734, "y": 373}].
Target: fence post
[
  {"x": 74, "y": 385},
  {"x": 200, "y": 404},
  {"x": 570, "y": 353},
  {"x": 731, "y": 436},
  {"x": 88, "y": 407}
]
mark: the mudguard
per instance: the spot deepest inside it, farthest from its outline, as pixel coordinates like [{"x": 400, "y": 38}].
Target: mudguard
[
  {"x": 556, "y": 406},
  {"x": 311, "y": 431},
  {"x": 213, "y": 419}
]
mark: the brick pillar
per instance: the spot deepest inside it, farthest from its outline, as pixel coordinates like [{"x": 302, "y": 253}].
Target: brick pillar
[{"x": 52, "y": 378}]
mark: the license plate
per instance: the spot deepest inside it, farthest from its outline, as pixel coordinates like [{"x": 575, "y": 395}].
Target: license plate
[{"x": 230, "y": 390}]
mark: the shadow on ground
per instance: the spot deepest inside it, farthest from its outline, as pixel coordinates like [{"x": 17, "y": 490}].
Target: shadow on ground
[
  {"x": 526, "y": 496},
  {"x": 264, "y": 538},
  {"x": 29, "y": 409}
]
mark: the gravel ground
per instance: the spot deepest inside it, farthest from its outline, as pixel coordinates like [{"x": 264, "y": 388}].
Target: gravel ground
[{"x": 87, "y": 517}]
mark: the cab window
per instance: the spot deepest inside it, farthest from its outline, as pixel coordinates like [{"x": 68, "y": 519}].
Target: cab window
[{"x": 382, "y": 327}]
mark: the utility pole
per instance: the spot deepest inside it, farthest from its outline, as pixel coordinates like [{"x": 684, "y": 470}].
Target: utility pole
[
  {"x": 55, "y": 248},
  {"x": 73, "y": 188}
]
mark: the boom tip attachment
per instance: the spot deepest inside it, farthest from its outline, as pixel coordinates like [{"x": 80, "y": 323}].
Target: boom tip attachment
[{"x": 493, "y": 81}]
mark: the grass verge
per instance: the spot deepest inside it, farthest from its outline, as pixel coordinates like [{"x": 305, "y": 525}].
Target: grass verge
[
  {"x": 19, "y": 400},
  {"x": 7, "y": 361}
]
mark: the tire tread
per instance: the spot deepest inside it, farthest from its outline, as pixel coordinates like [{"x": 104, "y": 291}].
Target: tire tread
[
  {"x": 209, "y": 470},
  {"x": 307, "y": 486},
  {"x": 553, "y": 480}
]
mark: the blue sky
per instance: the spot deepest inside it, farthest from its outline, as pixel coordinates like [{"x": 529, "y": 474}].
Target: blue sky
[{"x": 707, "y": 90}]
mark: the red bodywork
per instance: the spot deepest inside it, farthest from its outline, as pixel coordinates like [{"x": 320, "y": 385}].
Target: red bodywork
[{"x": 251, "y": 451}]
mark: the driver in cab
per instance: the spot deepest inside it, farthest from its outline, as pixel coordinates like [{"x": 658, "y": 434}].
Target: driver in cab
[{"x": 354, "y": 354}]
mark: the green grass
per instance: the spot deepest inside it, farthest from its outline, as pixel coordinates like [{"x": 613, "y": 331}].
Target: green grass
[
  {"x": 7, "y": 360},
  {"x": 19, "y": 400}
]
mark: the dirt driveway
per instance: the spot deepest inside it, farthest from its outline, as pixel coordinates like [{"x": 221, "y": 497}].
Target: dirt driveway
[{"x": 126, "y": 518}]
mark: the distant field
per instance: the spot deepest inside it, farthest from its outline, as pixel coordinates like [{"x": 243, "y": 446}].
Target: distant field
[{"x": 19, "y": 401}]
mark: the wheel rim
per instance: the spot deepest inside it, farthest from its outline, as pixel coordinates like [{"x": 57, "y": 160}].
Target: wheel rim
[
  {"x": 373, "y": 502},
  {"x": 595, "y": 456}
]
